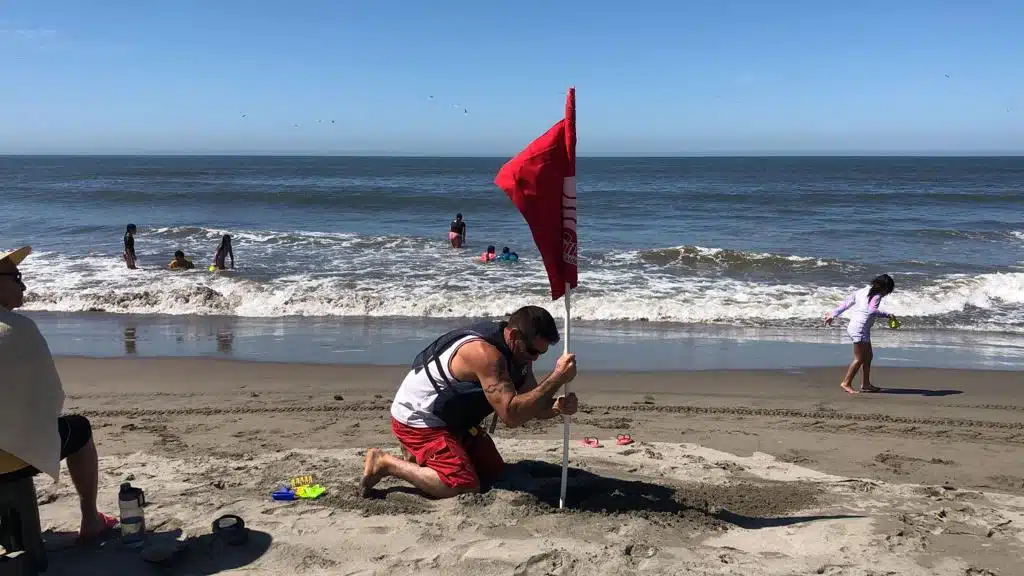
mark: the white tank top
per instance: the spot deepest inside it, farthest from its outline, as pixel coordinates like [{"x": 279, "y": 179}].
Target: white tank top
[{"x": 415, "y": 399}]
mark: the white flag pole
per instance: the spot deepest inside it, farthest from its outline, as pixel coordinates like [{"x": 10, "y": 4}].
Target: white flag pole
[
  {"x": 568, "y": 257},
  {"x": 565, "y": 419}
]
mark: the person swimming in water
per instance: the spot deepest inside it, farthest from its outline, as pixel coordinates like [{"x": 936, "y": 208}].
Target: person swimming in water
[
  {"x": 457, "y": 232},
  {"x": 223, "y": 252},
  {"x": 180, "y": 262},
  {"x": 129, "y": 247},
  {"x": 864, "y": 305},
  {"x": 507, "y": 256},
  {"x": 488, "y": 256}
]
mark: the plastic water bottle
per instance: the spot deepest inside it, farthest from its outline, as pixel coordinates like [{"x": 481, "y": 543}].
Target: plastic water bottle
[{"x": 133, "y": 520}]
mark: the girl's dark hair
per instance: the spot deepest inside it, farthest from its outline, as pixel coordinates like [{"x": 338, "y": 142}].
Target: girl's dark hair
[
  {"x": 883, "y": 285},
  {"x": 226, "y": 239}
]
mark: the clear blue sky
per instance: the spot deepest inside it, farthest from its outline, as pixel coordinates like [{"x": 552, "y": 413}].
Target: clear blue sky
[{"x": 652, "y": 77}]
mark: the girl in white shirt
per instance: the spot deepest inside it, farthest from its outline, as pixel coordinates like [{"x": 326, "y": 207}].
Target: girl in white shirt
[{"x": 864, "y": 304}]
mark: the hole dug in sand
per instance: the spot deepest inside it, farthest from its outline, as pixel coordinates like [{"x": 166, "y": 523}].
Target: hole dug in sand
[{"x": 533, "y": 487}]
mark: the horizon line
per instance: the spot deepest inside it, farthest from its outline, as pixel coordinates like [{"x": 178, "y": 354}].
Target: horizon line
[{"x": 794, "y": 154}]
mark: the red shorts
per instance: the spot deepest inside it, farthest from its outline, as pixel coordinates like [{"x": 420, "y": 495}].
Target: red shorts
[{"x": 459, "y": 462}]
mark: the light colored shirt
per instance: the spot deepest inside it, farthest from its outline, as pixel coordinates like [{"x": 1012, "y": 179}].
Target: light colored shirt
[
  {"x": 33, "y": 396},
  {"x": 863, "y": 310}
]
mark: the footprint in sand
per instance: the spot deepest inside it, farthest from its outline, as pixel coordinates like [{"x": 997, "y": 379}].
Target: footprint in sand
[
  {"x": 730, "y": 466},
  {"x": 544, "y": 563},
  {"x": 645, "y": 449}
]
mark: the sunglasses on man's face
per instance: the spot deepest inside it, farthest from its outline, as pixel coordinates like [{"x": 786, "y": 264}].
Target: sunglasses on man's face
[
  {"x": 528, "y": 346},
  {"x": 15, "y": 275}
]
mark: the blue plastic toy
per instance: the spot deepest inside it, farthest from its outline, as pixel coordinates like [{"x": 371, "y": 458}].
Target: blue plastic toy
[{"x": 284, "y": 493}]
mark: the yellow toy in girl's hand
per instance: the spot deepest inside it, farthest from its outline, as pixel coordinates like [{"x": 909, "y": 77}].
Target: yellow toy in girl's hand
[{"x": 894, "y": 323}]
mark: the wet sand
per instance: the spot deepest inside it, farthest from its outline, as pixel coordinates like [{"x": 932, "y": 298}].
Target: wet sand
[
  {"x": 732, "y": 472},
  {"x": 606, "y": 346}
]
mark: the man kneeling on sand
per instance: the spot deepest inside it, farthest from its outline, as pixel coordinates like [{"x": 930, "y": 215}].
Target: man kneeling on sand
[
  {"x": 34, "y": 436},
  {"x": 456, "y": 382}
]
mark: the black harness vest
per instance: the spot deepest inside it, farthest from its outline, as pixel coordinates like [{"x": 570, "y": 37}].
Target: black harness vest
[{"x": 464, "y": 409}]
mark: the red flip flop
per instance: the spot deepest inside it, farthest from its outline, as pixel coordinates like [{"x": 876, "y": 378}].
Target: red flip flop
[
  {"x": 109, "y": 524},
  {"x": 591, "y": 442},
  {"x": 623, "y": 439}
]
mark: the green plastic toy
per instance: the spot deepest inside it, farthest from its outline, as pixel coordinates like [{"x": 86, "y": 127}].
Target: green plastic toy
[{"x": 309, "y": 491}]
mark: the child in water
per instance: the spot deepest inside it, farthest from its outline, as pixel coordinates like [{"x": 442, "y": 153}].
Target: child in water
[
  {"x": 507, "y": 256},
  {"x": 457, "y": 232},
  {"x": 129, "y": 247},
  {"x": 180, "y": 262},
  {"x": 488, "y": 256},
  {"x": 223, "y": 252},
  {"x": 864, "y": 304}
]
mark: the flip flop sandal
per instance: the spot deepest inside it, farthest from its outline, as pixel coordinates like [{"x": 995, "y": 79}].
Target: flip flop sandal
[
  {"x": 623, "y": 439},
  {"x": 109, "y": 525},
  {"x": 591, "y": 442}
]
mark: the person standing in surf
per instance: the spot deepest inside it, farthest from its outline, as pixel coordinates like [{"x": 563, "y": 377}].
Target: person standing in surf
[
  {"x": 864, "y": 304},
  {"x": 457, "y": 232},
  {"x": 223, "y": 252},
  {"x": 129, "y": 247}
]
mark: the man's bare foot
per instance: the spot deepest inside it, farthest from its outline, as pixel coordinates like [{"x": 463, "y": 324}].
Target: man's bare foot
[
  {"x": 848, "y": 388},
  {"x": 371, "y": 470},
  {"x": 869, "y": 388}
]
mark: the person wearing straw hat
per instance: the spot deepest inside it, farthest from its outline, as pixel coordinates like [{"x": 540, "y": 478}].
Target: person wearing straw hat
[
  {"x": 33, "y": 400},
  {"x": 454, "y": 384}
]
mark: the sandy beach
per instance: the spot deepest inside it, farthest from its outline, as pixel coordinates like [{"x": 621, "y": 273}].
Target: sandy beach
[{"x": 731, "y": 472}]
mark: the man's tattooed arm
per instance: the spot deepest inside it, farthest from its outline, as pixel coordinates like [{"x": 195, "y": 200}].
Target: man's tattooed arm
[{"x": 514, "y": 409}]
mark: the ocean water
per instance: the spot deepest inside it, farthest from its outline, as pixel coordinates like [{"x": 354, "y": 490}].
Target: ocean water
[{"x": 736, "y": 242}]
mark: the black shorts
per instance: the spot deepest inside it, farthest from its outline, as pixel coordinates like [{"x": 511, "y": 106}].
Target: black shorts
[{"x": 75, "y": 432}]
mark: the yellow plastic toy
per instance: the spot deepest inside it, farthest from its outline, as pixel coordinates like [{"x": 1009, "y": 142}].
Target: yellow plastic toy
[
  {"x": 894, "y": 323},
  {"x": 304, "y": 488}
]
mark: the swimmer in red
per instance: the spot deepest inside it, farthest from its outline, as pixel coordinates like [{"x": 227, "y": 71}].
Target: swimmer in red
[{"x": 488, "y": 256}]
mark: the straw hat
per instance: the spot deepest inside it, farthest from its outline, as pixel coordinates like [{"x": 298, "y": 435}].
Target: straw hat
[{"x": 16, "y": 256}]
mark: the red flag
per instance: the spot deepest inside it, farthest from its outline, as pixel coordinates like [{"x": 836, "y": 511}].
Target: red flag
[{"x": 541, "y": 182}]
